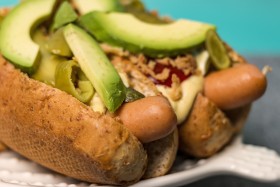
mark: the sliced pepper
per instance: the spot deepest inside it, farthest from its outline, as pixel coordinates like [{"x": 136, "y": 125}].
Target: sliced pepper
[
  {"x": 70, "y": 78},
  {"x": 217, "y": 50}
]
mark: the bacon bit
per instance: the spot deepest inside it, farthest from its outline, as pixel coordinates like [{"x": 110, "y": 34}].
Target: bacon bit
[
  {"x": 136, "y": 79},
  {"x": 164, "y": 61},
  {"x": 109, "y": 50},
  {"x": 176, "y": 89},
  {"x": 4, "y": 11},
  {"x": 235, "y": 57},
  {"x": 154, "y": 13},
  {"x": 161, "y": 70}
]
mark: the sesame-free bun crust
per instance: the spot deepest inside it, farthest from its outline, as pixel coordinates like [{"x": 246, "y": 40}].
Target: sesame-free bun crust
[
  {"x": 161, "y": 155},
  {"x": 2, "y": 147},
  {"x": 57, "y": 131},
  {"x": 208, "y": 129}
]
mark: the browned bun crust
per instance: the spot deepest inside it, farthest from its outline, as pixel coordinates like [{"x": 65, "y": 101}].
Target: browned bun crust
[
  {"x": 208, "y": 129},
  {"x": 238, "y": 117},
  {"x": 57, "y": 131},
  {"x": 2, "y": 147},
  {"x": 161, "y": 155}
]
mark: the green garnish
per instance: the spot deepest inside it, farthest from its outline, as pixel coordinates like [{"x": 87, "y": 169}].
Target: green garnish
[
  {"x": 217, "y": 50},
  {"x": 70, "y": 78}
]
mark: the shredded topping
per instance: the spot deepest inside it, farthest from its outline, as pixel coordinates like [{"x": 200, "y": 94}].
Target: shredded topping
[
  {"x": 145, "y": 72},
  {"x": 4, "y": 11},
  {"x": 176, "y": 89},
  {"x": 235, "y": 57}
]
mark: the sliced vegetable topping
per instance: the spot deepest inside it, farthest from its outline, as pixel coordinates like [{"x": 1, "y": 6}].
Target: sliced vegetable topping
[
  {"x": 96, "y": 66},
  {"x": 86, "y": 6},
  {"x": 64, "y": 15},
  {"x": 15, "y": 40},
  {"x": 57, "y": 44},
  {"x": 132, "y": 95},
  {"x": 138, "y": 9},
  {"x": 217, "y": 51},
  {"x": 156, "y": 40},
  {"x": 70, "y": 78},
  {"x": 46, "y": 69}
]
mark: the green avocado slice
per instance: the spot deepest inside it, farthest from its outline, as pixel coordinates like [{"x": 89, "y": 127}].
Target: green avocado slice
[
  {"x": 96, "y": 66},
  {"x": 64, "y": 15},
  {"x": 86, "y": 6},
  {"x": 15, "y": 40},
  {"x": 156, "y": 40}
]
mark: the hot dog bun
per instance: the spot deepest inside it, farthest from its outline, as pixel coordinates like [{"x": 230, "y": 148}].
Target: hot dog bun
[
  {"x": 2, "y": 147},
  {"x": 161, "y": 155},
  {"x": 208, "y": 129},
  {"x": 162, "y": 152},
  {"x": 54, "y": 129}
]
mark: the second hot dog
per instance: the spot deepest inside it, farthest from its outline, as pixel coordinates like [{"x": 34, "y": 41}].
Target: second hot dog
[{"x": 235, "y": 87}]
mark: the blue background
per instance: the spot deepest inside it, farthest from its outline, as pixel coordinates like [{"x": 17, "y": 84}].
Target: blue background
[{"x": 252, "y": 27}]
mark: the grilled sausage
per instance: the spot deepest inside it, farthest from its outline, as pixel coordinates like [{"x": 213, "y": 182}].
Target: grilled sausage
[{"x": 235, "y": 87}]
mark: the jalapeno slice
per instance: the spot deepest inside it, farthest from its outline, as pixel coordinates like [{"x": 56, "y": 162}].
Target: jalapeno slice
[
  {"x": 70, "y": 78},
  {"x": 217, "y": 50}
]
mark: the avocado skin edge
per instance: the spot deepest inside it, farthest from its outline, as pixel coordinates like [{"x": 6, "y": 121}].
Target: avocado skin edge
[{"x": 93, "y": 23}]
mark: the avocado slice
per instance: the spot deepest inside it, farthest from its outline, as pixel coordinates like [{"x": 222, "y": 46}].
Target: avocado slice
[
  {"x": 56, "y": 44},
  {"x": 15, "y": 35},
  {"x": 138, "y": 9},
  {"x": 96, "y": 66},
  {"x": 64, "y": 15},
  {"x": 156, "y": 40},
  {"x": 48, "y": 62},
  {"x": 86, "y": 6}
]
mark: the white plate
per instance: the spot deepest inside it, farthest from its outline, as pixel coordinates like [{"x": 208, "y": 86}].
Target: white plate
[{"x": 257, "y": 163}]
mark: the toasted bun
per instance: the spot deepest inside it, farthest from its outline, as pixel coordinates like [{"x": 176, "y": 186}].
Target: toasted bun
[
  {"x": 2, "y": 147},
  {"x": 57, "y": 131},
  {"x": 161, "y": 155},
  {"x": 208, "y": 129}
]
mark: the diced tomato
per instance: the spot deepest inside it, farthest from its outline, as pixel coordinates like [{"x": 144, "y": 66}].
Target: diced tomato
[{"x": 173, "y": 70}]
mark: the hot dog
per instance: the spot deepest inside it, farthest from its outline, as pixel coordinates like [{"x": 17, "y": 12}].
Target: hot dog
[
  {"x": 109, "y": 136},
  {"x": 205, "y": 137},
  {"x": 235, "y": 87},
  {"x": 56, "y": 130},
  {"x": 139, "y": 115}
]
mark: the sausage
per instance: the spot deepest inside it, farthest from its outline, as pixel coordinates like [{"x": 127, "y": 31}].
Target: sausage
[
  {"x": 149, "y": 119},
  {"x": 235, "y": 87}
]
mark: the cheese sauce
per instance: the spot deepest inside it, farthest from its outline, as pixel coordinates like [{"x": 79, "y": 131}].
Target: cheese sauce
[{"x": 190, "y": 88}]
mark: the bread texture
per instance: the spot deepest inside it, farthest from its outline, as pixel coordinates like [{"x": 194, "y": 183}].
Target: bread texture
[
  {"x": 2, "y": 147},
  {"x": 208, "y": 129},
  {"x": 57, "y": 131},
  {"x": 161, "y": 155}
]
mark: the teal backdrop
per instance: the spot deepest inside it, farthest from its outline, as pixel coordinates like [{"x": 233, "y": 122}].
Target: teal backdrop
[{"x": 252, "y": 27}]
